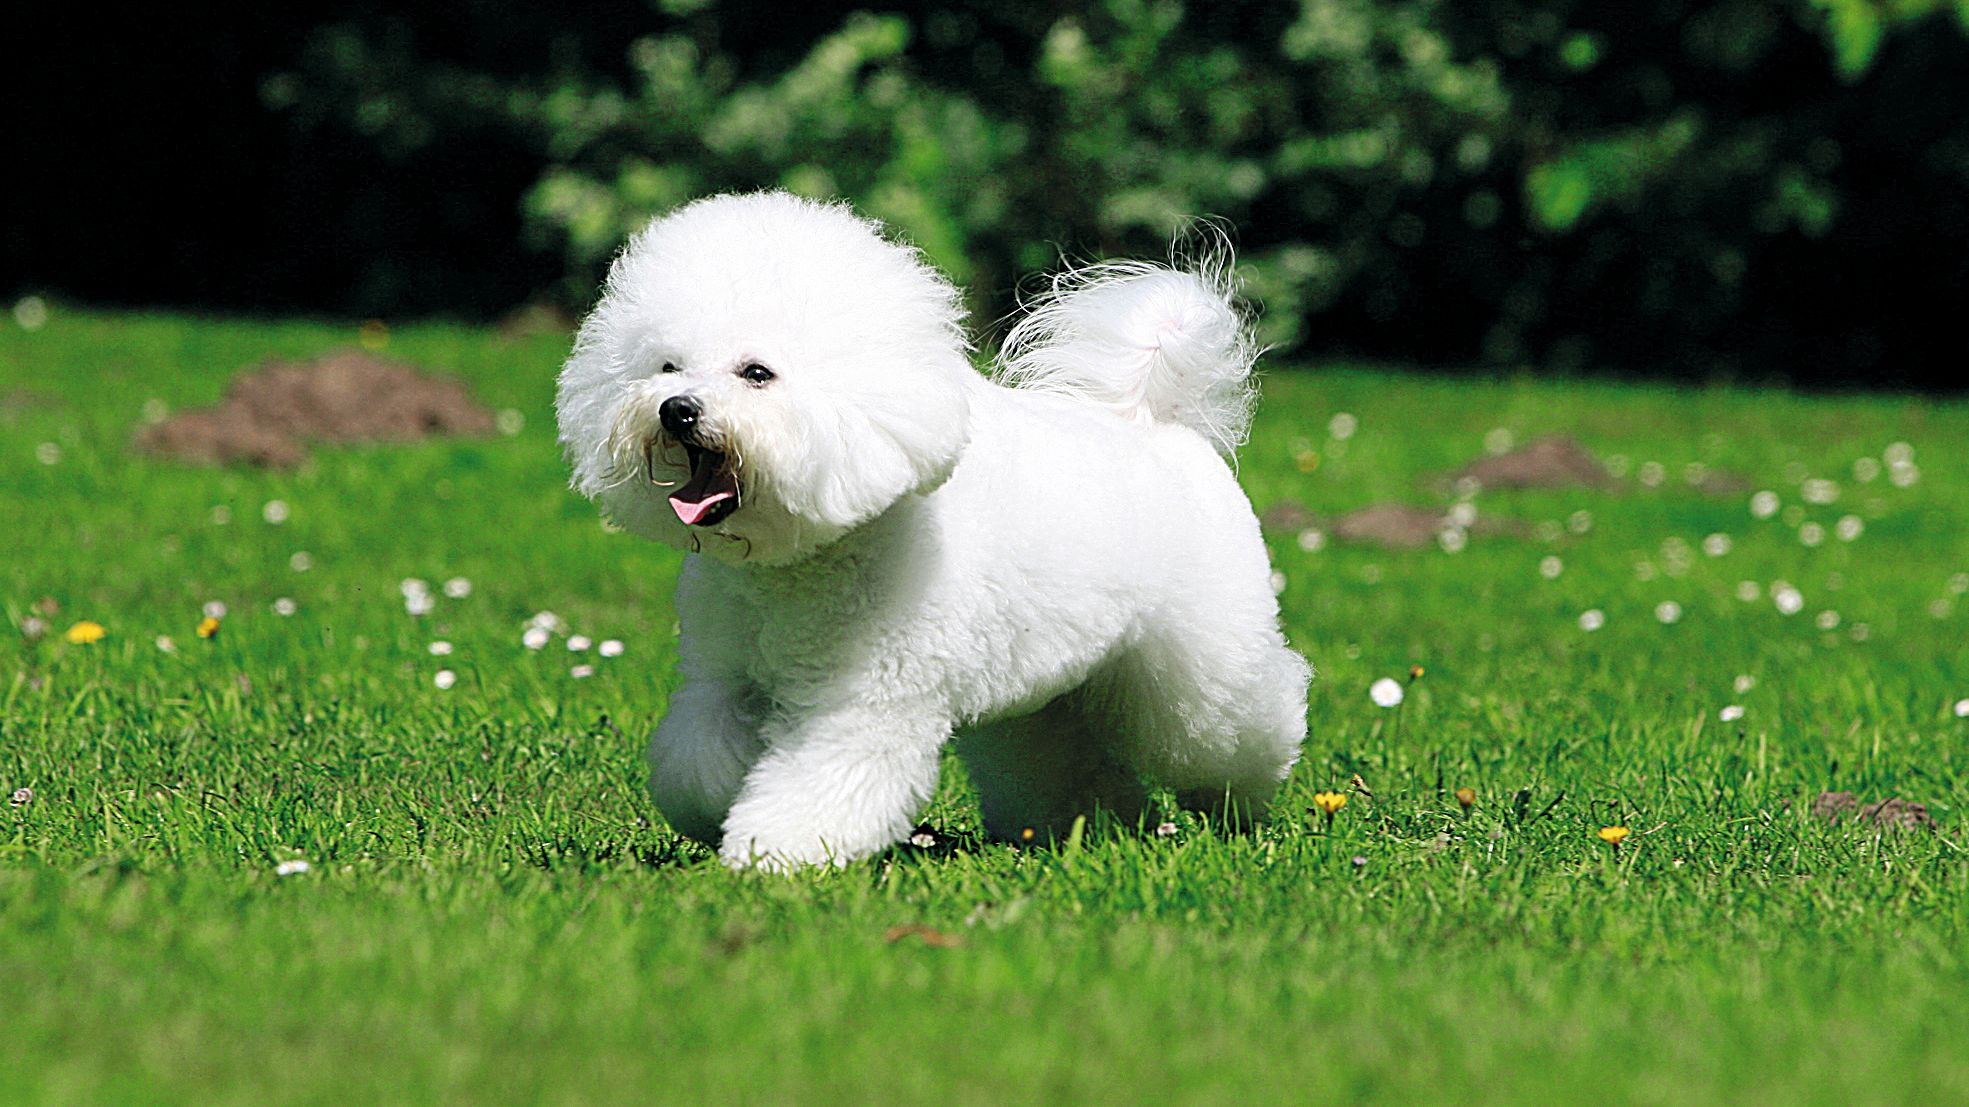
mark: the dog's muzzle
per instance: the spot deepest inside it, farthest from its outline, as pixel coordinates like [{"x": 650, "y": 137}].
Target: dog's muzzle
[{"x": 711, "y": 493}]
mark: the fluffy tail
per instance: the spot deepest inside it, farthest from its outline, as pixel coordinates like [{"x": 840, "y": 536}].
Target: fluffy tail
[{"x": 1149, "y": 342}]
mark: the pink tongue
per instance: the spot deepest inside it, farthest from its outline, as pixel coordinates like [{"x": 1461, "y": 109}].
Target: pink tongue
[{"x": 709, "y": 486}]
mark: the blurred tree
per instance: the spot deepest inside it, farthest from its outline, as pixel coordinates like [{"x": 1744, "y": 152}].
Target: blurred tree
[{"x": 1734, "y": 187}]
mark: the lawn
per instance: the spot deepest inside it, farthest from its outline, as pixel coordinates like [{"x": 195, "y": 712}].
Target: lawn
[{"x": 491, "y": 912}]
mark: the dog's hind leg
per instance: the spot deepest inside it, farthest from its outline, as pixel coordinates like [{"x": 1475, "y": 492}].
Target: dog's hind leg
[
  {"x": 707, "y": 742},
  {"x": 1217, "y": 719},
  {"x": 1039, "y": 772}
]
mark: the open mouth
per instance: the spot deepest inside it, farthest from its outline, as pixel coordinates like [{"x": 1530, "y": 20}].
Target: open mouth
[{"x": 710, "y": 494}]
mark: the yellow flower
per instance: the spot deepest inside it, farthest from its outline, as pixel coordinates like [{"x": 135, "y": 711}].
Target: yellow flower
[
  {"x": 208, "y": 627},
  {"x": 1329, "y": 802},
  {"x": 1467, "y": 797},
  {"x": 85, "y": 632},
  {"x": 1415, "y": 672},
  {"x": 1025, "y": 835},
  {"x": 1612, "y": 835}
]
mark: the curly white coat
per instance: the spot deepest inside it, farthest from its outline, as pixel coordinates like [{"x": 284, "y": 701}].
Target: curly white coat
[{"x": 1061, "y": 568}]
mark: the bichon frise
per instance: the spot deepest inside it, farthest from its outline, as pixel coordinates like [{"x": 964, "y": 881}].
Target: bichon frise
[{"x": 889, "y": 549}]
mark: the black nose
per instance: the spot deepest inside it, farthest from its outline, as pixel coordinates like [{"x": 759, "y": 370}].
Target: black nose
[{"x": 679, "y": 416}]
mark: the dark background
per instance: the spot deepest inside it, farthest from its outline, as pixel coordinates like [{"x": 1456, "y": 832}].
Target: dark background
[{"x": 1815, "y": 229}]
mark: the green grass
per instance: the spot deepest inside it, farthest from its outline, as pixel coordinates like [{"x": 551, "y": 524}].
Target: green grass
[{"x": 495, "y": 914}]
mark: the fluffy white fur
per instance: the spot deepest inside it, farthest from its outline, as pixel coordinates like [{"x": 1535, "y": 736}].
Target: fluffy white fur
[{"x": 1058, "y": 568}]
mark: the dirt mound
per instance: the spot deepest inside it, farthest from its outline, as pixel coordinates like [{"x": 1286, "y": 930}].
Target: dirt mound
[
  {"x": 1893, "y": 813},
  {"x": 1722, "y": 483},
  {"x": 1555, "y": 461},
  {"x": 271, "y": 414},
  {"x": 1287, "y": 517},
  {"x": 1391, "y": 525},
  {"x": 1396, "y": 526}
]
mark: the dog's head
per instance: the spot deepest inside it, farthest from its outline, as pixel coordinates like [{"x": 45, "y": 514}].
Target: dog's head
[{"x": 762, "y": 375}]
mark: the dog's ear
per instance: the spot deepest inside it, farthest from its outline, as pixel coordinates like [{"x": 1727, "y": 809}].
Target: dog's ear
[
  {"x": 940, "y": 432},
  {"x": 917, "y": 434}
]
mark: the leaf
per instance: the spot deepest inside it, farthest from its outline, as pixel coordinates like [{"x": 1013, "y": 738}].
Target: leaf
[{"x": 929, "y": 935}]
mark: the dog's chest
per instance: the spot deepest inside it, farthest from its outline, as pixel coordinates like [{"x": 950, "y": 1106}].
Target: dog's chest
[{"x": 804, "y": 630}]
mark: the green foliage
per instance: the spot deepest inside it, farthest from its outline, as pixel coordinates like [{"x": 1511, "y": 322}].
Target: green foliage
[
  {"x": 1504, "y": 169},
  {"x": 847, "y": 119},
  {"x": 1606, "y": 170}
]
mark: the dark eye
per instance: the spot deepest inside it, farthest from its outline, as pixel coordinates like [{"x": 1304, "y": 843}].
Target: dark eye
[
  {"x": 756, "y": 373},
  {"x": 669, "y": 366}
]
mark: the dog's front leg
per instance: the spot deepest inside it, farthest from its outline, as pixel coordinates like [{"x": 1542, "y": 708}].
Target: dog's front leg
[
  {"x": 835, "y": 786},
  {"x": 707, "y": 742}
]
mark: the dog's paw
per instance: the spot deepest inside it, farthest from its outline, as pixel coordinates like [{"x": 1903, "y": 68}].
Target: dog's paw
[{"x": 785, "y": 858}]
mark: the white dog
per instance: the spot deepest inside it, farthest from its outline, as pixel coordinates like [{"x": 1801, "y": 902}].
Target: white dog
[{"x": 889, "y": 548}]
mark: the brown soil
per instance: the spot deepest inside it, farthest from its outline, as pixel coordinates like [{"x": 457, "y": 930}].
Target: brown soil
[
  {"x": 1555, "y": 461},
  {"x": 1287, "y": 517},
  {"x": 1391, "y": 525},
  {"x": 1892, "y": 813},
  {"x": 1723, "y": 483},
  {"x": 271, "y": 414},
  {"x": 21, "y": 399},
  {"x": 1396, "y": 526}
]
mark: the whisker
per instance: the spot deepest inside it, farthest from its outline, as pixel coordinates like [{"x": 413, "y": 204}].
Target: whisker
[
  {"x": 739, "y": 539},
  {"x": 649, "y": 464}
]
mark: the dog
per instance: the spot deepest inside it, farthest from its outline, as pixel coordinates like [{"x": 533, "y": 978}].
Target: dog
[{"x": 889, "y": 551}]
